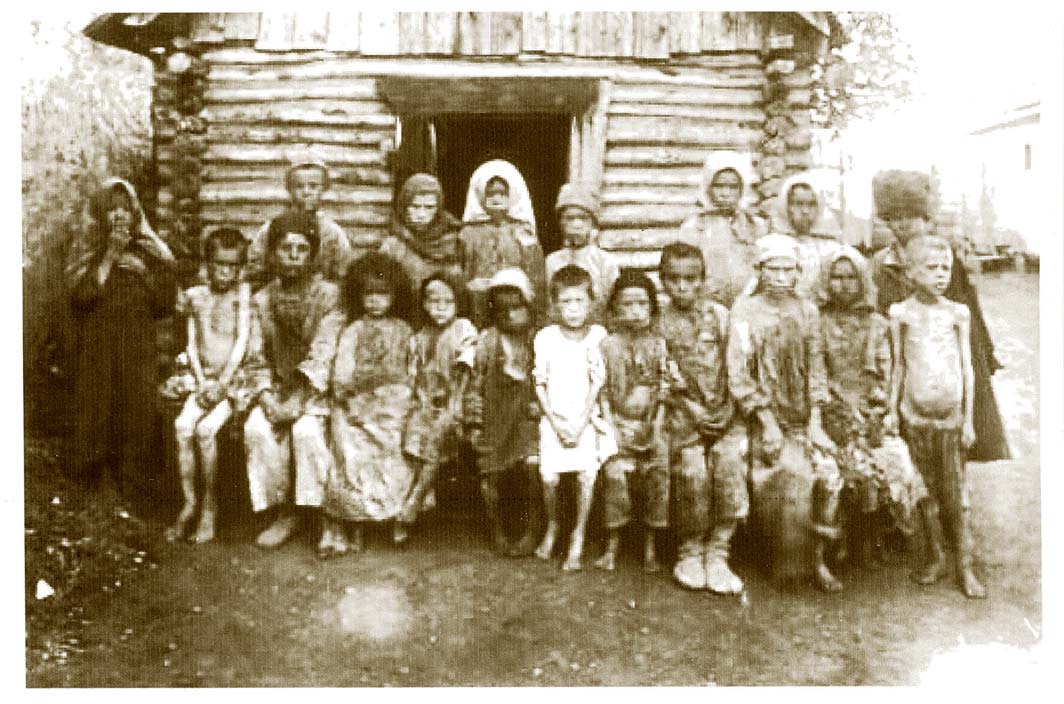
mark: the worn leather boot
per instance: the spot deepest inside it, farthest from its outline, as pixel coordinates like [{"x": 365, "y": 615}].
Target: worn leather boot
[
  {"x": 719, "y": 577},
  {"x": 690, "y": 570},
  {"x": 934, "y": 558}
]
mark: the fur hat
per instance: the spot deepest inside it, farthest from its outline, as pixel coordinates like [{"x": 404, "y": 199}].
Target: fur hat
[
  {"x": 902, "y": 194},
  {"x": 576, "y": 195}
]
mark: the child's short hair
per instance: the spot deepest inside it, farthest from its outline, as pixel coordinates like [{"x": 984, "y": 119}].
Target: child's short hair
[
  {"x": 918, "y": 248},
  {"x": 377, "y": 267},
  {"x": 634, "y": 278},
  {"x": 306, "y": 166},
  {"x": 458, "y": 288},
  {"x": 298, "y": 221},
  {"x": 681, "y": 250},
  {"x": 570, "y": 276},
  {"x": 225, "y": 238},
  {"x": 796, "y": 186}
]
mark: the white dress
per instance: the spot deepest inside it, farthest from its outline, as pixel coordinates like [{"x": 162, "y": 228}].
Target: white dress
[{"x": 567, "y": 369}]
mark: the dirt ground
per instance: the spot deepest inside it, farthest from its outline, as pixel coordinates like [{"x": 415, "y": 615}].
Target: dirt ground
[{"x": 445, "y": 611}]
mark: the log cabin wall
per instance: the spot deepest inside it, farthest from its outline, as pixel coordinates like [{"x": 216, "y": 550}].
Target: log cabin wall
[{"x": 672, "y": 87}]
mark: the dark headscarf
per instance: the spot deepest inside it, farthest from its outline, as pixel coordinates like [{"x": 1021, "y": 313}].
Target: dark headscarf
[{"x": 438, "y": 243}]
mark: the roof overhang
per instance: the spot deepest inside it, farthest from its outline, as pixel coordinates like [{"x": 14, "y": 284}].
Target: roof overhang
[
  {"x": 520, "y": 92},
  {"x": 138, "y": 32}
]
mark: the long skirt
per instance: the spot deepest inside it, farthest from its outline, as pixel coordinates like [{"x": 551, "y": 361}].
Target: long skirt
[{"x": 370, "y": 480}]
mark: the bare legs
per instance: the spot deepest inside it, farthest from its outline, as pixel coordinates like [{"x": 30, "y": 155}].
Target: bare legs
[
  {"x": 574, "y": 557},
  {"x": 198, "y": 429}
]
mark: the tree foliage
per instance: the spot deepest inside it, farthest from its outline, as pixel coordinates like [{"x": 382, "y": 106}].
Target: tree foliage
[{"x": 869, "y": 68}]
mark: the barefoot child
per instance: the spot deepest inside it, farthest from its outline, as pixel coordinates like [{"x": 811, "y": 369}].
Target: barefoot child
[
  {"x": 371, "y": 397},
  {"x": 573, "y": 436},
  {"x": 441, "y": 355},
  {"x": 877, "y": 469},
  {"x": 931, "y": 398},
  {"x": 632, "y": 403},
  {"x": 220, "y": 325},
  {"x": 577, "y": 209},
  {"x": 501, "y": 407},
  {"x": 706, "y": 447},
  {"x": 777, "y": 378}
]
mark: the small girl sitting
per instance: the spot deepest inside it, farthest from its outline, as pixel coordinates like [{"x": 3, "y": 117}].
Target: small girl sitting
[
  {"x": 371, "y": 397},
  {"x": 441, "y": 356}
]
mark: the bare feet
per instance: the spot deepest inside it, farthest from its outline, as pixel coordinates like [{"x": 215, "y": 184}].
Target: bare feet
[
  {"x": 279, "y": 531},
  {"x": 572, "y": 563},
  {"x": 205, "y": 530},
  {"x": 400, "y": 532},
  {"x": 825, "y": 580},
  {"x": 970, "y": 584},
  {"x": 178, "y": 530},
  {"x": 546, "y": 546},
  {"x": 650, "y": 558},
  {"x": 932, "y": 571},
  {"x": 607, "y": 562}
]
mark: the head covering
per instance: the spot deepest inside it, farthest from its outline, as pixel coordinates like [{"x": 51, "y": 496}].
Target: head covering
[
  {"x": 417, "y": 185},
  {"x": 824, "y": 225},
  {"x": 775, "y": 246},
  {"x": 304, "y": 158},
  {"x": 719, "y": 161},
  {"x": 867, "y": 296},
  {"x": 297, "y": 221},
  {"x": 577, "y": 195},
  {"x": 517, "y": 279},
  {"x": 520, "y": 201},
  {"x": 437, "y": 242},
  {"x": 902, "y": 194},
  {"x": 89, "y": 247}
]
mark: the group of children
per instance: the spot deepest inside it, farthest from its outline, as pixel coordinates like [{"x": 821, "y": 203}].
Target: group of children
[{"x": 681, "y": 413}]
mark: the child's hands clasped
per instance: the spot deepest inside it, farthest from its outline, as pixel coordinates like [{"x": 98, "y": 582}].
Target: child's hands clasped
[{"x": 210, "y": 395}]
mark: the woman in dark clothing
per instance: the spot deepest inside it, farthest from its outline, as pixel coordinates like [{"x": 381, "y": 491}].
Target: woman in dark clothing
[
  {"x": 121, "y": 277},
  {"x": 902, "y": 201}
]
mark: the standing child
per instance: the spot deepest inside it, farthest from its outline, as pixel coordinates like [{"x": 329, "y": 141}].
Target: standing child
[
  {"x": 371, "y": 398},
  {"x": 221, "y": 328},
  {"x": 501, "y": 407},
  {"x": 573, "y": 435},
  {"x": 877, "y": 469},
  {"x": 306, "y": 180},
  {"x": 706, "y": 447},
  {"x": 578, "y": 211},
  {"x": 499, "y": 233},
  {"x": 441, "y": 355},
  {"x": 633, "y": 405},
  {"x": 776, "y": 375},
  {"x": 931, "y": 398}
]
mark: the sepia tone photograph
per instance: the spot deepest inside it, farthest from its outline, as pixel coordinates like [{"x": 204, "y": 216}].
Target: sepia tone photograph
[{"x": 536, "y": 349}]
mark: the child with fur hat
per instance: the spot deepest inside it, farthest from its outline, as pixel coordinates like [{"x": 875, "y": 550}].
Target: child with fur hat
[
  {"x": 778, "y": 381},
  {"x": 577, "y": 209},
  {"x": 724, "y": 230},
  {"x": 306, "y": 179},
  {"x": 501, "y": 409}
]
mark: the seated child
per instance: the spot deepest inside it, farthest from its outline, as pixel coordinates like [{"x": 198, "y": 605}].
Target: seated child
[
  {"x": 306, "y": 180},
  {"x": 573, "y": 436},
  {"x": 288, "y": 457},
  {"x": 777, "y": 378},
  {"x": 707, "y": 445},
  {"x": 577, "y": 209},
  {"x": 501, "y": 407},
  {"x": 499, "y": 232},
  {"x": 223, "y": 341},
  {"x": 441, "y": 355},
  {"x": 931, "y": 399},
  {"x": 633, "y": 404},
  {"x": 371, "y": 398},
  {"x": 877, "y": 470}
]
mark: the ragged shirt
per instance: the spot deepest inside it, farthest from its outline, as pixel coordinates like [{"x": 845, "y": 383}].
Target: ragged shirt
[{"x": 635, "y": 374}]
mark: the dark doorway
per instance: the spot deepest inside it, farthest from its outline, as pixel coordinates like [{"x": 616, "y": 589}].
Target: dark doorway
[{"x": 537, "y": 144}]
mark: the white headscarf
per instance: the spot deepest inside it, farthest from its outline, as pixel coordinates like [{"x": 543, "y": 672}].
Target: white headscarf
[
  {"x": 520, "y": 201},
  {"x": 719, "y": 161},
  {"x": 823, "y": 224}
]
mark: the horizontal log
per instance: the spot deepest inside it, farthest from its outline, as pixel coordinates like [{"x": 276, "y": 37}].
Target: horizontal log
[
  {"x": 675, "y": 195},
  {"x": 684, "y": 95},
  {"x": 350, "y": 113},
  {"x": 229, "y": 171},
  {"x": 655, "y": 157},
  {"x": 640, "y": 216},
  {"x": 237, "y": 192},
  {"x": 639, "y": 239},
  {"x": 357, "y": 215},
  {"x": 746, "y": 114},
  {"x": 332, "y": 154},
  {"x": 298, "y": 134},
  {"x": 268, "y": 91},
  {"x": 637, "y": 260},
  {"x": 645, "y": 130},
  {"x": 688, "y": 177}
]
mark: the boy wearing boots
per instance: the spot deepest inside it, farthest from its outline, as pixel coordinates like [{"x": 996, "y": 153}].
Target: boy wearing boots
[
  {"x": 706, "y": 448},
  {"x": 777, "y": 378},
  {"x": 931, "y": 400}
]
